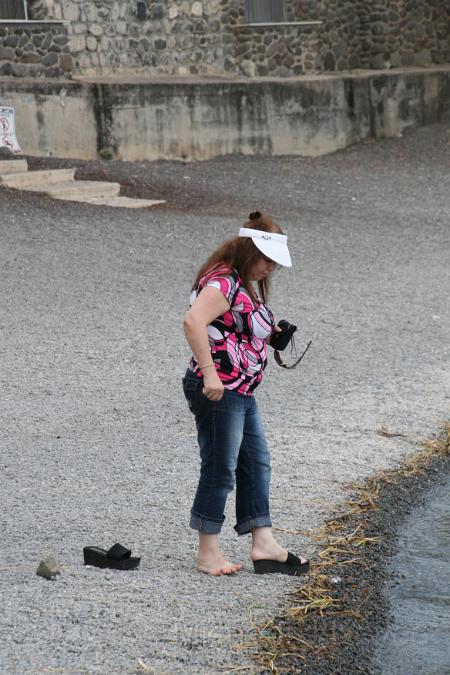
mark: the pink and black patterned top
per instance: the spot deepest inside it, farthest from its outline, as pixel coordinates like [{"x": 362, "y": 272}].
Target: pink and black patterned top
[{"x": 238, "y": 339}]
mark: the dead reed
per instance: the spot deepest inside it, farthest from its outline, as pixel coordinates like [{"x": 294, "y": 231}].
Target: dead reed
[{"x": 341, "y": 541}]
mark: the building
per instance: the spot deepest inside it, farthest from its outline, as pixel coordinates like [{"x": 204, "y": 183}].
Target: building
[{"x": 251, "y": 38}]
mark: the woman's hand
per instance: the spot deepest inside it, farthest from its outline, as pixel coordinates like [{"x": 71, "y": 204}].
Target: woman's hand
[
  {"x": 213, "y": 387},
  {"x": 276, "y": 329}
]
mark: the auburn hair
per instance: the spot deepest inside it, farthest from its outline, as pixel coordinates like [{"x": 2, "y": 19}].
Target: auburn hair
[{"x": 240, "y": 253}]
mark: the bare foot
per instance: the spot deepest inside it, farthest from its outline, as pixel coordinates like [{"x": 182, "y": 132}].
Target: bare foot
[
  {"x": 269, "y": 551},
  {"x": 272, "y": 551},
  {"x": 216, "y": 564}
]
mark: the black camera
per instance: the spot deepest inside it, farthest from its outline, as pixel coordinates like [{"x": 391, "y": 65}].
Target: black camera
[{"x": 280, "y": 341}]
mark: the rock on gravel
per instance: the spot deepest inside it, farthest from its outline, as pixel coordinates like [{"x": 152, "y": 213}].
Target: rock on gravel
[{"x": 49, "y": 568}]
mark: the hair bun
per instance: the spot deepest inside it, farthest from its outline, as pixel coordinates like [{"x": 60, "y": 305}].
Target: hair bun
[{"x": 255, "y": 215}]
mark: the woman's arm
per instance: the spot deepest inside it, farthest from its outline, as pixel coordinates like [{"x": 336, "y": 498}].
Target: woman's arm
[{"x": 208, "y": 306}]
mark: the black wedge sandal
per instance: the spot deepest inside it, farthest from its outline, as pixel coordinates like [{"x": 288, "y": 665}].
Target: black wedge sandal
[
  {"x": 117, "y": 558},
  {"x": 293, "y": 566}
]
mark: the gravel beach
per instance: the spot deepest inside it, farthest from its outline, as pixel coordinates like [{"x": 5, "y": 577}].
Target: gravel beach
[
  {"x": 97, "y": 443},
  {"x": 347, "y": 635}
]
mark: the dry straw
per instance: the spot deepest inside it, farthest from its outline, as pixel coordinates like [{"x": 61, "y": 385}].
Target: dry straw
[{"x": 340, "y": 544}]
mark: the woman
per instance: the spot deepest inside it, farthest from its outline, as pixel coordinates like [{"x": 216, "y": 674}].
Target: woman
[{"x": 228, "y": 326}]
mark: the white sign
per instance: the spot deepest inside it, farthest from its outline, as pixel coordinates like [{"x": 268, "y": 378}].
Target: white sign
[{"x": 7, "y": 131}]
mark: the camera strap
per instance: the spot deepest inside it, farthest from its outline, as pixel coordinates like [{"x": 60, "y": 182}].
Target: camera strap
[{"x": 294, "y": 365}]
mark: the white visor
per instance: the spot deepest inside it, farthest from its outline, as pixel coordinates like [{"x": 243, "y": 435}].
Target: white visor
[{"x": 273, "y": 246}]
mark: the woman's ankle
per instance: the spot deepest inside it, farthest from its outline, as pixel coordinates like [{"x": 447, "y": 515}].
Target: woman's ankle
[
  {"x": 263, "y": 537},
  {"x": 264, "y": 545},
  {"x": 208, "y": 544}
]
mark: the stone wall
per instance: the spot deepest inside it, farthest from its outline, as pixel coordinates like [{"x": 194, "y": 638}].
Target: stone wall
[
  {"x": 353, "y": 34},
  {"x": 277, "y": 50},
  {"x": 34, "y": 50},
  {"x": 176, "y": 37},
  {"x": 379, "y": 33},
  {"x": 211, "y": 37}
]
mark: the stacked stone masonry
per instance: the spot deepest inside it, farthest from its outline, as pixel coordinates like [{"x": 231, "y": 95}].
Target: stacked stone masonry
[
  {"x": 381, "y": 33},
  {"x": 212, "y": 37},
  {"x": 34, "y": 50}
]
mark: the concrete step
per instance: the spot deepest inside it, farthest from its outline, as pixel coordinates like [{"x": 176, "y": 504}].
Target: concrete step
[
  {"x": 125, "y": 202},
  {"x": 60, "y": 184},
  {"x": 118, "y": 202},
  {"x": 34, "y": 179},
  {"x": 80, "y": 190},
  {"x": 13, "y": 166}
]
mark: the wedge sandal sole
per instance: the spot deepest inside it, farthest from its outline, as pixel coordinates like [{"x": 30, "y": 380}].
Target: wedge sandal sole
[
  {"x": 293, "y": 566},
  {"x": 117, "y": 558}
]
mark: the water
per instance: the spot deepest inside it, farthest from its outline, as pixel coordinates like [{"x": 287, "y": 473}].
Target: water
[{"x": 419, "y": 639}]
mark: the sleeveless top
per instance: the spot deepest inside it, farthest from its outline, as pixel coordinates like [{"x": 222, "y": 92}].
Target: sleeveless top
[{"x": 238, "y": 339}]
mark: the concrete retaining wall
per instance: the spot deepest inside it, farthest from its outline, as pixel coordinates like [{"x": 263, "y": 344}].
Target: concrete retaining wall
[
  {"x": 52, "y": 117},
  {"x": 201, "y": 119}
]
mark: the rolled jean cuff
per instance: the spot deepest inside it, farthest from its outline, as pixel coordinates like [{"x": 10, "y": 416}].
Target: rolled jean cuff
[
  {"x": 205, "y": 525},
  {"x": 263, "y": 520}
]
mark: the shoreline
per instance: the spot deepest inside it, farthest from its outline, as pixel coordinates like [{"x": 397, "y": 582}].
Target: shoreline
[{"x": 337, "y": 617}]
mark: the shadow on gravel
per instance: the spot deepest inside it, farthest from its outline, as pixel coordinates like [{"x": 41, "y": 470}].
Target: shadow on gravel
[{"x": 230, "y": 185}]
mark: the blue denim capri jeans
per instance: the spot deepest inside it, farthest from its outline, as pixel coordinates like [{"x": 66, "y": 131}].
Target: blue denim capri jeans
[{"x": 233, "y": 451}]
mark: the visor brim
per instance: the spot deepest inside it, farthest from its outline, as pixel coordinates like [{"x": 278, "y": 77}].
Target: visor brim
[{"x": 275, "y": 250}]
